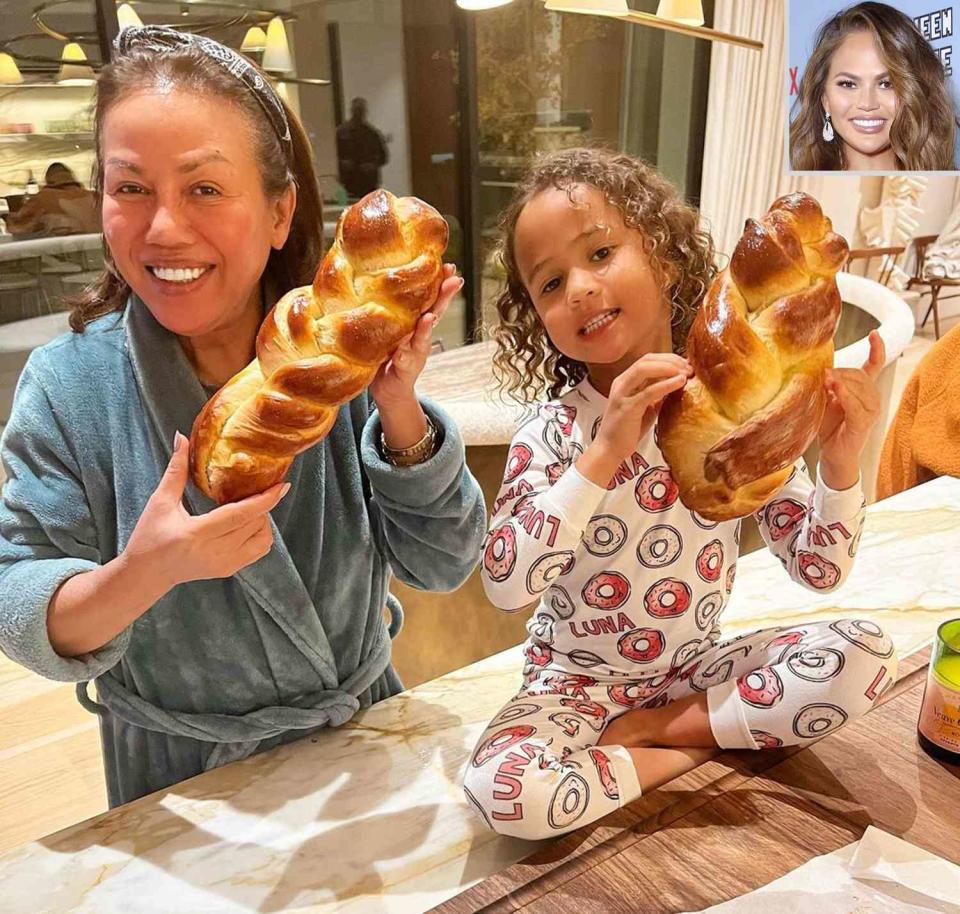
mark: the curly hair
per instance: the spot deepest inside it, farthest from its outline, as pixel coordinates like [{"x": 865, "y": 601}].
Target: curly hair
[
  {"x": 923, "y": 131},
  {"x": 527, "y": 363}
]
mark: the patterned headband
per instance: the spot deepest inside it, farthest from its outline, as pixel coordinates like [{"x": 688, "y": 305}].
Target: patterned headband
[{"x": 160, "y": 38}]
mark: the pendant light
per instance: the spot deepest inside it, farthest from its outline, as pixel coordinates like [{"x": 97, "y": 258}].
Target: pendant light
[
  {"x": 254, "y": 41},
  {"x": 127, "y": 17},
  {"x": 74, "y": 69},
  {"x": 276, "y": 57},
  {"x": 687, "y": 12},
  {"x": 9, "y": 71},
  {"x": 481, "y": 4}
]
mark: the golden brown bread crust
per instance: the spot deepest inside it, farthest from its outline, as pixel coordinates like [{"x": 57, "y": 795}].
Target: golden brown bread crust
[
  {"x": 759, "y": 348},
  {"x": 321, "y": 345}
]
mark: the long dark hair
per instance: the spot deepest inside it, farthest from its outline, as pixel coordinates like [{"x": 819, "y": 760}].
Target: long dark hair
[
  {"x": 681, "y": 253},
  {"x": 190, "y": 70},
  {"x": 923, "y": 131}
]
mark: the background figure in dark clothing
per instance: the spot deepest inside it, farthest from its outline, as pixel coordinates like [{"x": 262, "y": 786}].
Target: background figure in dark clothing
[{"x": 361, "y": 151}]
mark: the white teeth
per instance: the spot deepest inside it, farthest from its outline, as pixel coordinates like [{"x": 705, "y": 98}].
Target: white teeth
[
  {"x": 600, "y": 321},
  {"x": 178, "y": 275},
  {"x": 861, "y": 123}
]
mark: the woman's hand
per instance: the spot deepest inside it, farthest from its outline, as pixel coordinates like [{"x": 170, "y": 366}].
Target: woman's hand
[
  {"x": 853, "y": 405},
  {"x": 394, "y": 382},
  {"x": 172, "y": 547},
  {"x": 635, "y": 399}
]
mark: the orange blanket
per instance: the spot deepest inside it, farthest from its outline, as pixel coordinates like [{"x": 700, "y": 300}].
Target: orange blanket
[{"x": 924, "y": 439}]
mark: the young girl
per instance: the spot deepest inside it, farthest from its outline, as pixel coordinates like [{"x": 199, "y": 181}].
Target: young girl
[{"x": 605, "y": 268}]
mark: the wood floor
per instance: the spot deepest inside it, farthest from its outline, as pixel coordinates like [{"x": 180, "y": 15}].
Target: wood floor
[{"x": 50, "y": 746}]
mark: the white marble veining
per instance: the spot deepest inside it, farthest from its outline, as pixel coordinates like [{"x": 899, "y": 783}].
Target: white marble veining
[{"x": 370, "y": 817}]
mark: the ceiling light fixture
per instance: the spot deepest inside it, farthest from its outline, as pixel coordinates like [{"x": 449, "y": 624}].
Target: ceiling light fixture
[
  {"x": 74, "y": 69},
  {"x": 276, "y": 57},
  {"x": 619, "y": 9},
  {"x": 9, "y": 71}
]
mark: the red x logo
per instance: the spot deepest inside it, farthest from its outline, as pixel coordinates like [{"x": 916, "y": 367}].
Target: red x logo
[{"x": 794, "y": 88}]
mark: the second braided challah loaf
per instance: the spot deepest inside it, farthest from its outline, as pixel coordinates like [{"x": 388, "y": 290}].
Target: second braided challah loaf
[
  {"x": 321, "y": 345},
  {"x": 759, "y": 347}
]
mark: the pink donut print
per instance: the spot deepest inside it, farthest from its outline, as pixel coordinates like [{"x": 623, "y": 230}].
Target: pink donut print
[
  {"x": 656, "y": 490},
  {"x": 710, "y": 561},
  {"x": 538, "y": 654},
  {"x": 817, "y": 571},
  {"x": 594, "y": 712},
  {"x": 500, "y": 556},
  {"x": 564, "y": 416},
  {"x": 554, "y": 472},
  {"x": 667, "y": 598},
  {"x": 761, "y": 688},
  {"x": 728, "y": 581},
  {"x": 502, "y": 739},
  {"x": 632, "y": 694},
  {"x": 517, "y": 461},
  {"x": 605, "y": 772},
  {"x": 642, "y": 645},
  {"x": 766, "y": 740},
  {"x": 782, "y": 517},
  {"x": 606, "y": 590}
]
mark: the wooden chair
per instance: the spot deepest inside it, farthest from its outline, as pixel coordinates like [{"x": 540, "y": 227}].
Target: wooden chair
[
  {"x": 887, "y": 265},
  {"x": 920, "y": 245}
]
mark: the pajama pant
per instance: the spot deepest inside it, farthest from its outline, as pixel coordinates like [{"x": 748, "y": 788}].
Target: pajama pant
[{"x": 537, "y": 771}]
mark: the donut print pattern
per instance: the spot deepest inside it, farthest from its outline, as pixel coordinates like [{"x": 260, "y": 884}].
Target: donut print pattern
[
  {"x": 660, "y": 546},
  {"x": 604, "y": 535},
  {"x": 708, "y": 609},
  {"x": 818, "y": 720},
  {"x": 783, "y": 516},
  {"x": 866, "y": 635},
  {"x": 667, "y": 598},
  {"x": 642, "y": 645},
  {"x": 569, "y": 802},
  {"x": 546, "y": 568},
  {"x": 816, "y": 664},
  {"x": 518, "y": 461},
  {"x": 500, "y": 555},
  {"x": 608, "y": 780},
  {"x": 710, "y": 562},
  {"x": 500, "y": 741},
  {"x": 761, "y": 688},
  {"x": 606, "y": 591},
  {"x": 817, "y": 571},
  {"x": 656, "y": 490}
]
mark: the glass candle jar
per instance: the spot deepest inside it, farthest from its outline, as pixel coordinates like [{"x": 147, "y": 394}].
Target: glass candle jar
[{"x": 939, "y": 727}]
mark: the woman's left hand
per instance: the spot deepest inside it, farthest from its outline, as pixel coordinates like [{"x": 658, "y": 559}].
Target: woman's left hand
[
  {"x": 853, "y": 405},
  {"x": 394, "y": 382}
]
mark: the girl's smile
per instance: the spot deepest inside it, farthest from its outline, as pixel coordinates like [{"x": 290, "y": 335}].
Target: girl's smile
[{"x": 591, "y": 281}]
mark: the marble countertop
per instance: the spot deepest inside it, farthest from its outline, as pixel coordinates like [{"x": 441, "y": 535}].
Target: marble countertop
[{"x": 370, "y": 817}]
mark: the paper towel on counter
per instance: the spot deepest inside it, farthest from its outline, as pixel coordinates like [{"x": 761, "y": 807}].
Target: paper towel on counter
[{"x": 879, "y": 874}]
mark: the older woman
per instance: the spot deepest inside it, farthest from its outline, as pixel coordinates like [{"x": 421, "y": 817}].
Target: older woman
[{"x": 219, "y": 632}]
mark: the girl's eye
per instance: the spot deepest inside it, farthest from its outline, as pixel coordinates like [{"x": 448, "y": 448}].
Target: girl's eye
[
  {"x": 886, "y": 84},
  {"x": 206, "y": 190},
  {"x": 128, "y": 189},
  {"x": 601, "y": 253},
  {"x": 847, "y": 84},
  {"x": 549, "y": 286}
]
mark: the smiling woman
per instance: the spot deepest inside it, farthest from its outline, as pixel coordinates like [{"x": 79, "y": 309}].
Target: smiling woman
[
  {"x": 213, "y": 632},
  {"x": 873, "y": 97}
]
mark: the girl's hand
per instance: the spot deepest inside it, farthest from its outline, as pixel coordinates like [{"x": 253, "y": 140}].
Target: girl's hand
[
  {"x": 632, "y": 408},
  {"x": 394, "y": 382},
  {"x": 853, "y": 405},
  {"x": 170, "y": 546}
]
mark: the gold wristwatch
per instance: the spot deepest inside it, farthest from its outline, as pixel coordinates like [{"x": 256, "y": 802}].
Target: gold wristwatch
[{"x": 420, "y": 452}]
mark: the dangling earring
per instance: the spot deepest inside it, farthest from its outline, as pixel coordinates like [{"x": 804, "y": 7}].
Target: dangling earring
[{"x": 828, "y": 129}]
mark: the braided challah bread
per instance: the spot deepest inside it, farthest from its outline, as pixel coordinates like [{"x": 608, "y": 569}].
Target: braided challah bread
[
  {"x": 321, "y": 345},
  {"x": 759, "y": 347}
]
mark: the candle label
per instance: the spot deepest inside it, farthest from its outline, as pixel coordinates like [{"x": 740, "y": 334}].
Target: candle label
[{"x": 940, "y": 714}]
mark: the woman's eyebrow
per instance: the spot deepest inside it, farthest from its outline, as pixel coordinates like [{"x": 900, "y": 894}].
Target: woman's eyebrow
[{"x": 882, "y": 75}]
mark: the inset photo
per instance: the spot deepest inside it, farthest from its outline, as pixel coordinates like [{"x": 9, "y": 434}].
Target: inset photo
[{"x": 871, "y": 87}]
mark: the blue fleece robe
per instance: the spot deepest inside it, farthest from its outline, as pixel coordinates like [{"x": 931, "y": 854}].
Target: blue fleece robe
[{"x": 216, "y": 669}]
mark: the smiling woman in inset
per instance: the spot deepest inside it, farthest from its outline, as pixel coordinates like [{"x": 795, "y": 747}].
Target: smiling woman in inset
[{"x": 873, "y": 97}]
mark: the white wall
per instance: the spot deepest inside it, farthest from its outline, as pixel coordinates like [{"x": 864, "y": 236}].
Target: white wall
[{"x": 372, "y": 63}]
